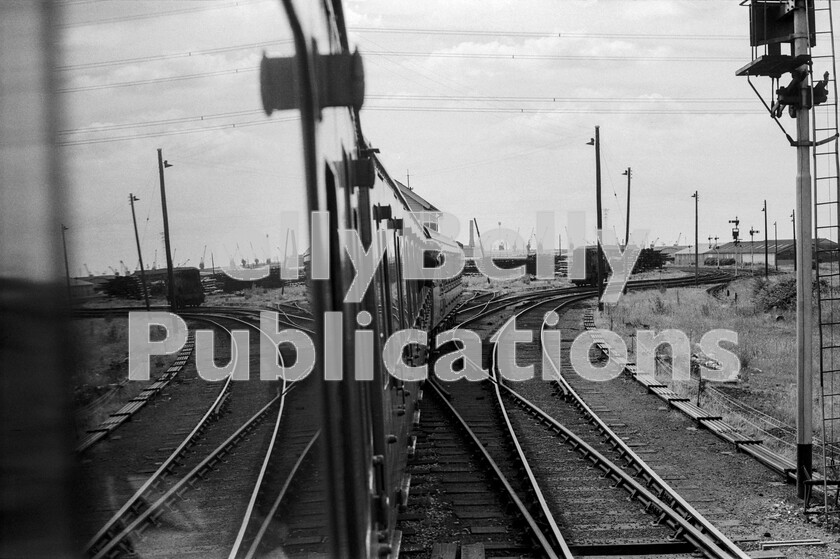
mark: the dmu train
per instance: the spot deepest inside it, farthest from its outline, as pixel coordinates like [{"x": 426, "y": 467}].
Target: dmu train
[{"x": 365, "y": 424}]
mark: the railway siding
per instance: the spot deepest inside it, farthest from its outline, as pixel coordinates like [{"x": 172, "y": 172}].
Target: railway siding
[
  {"x": 745, "y": 499},
  {"x": 713, "y": 423},
  {"x": 602, "y": 531},
  {"x": 119, "y": 417}
]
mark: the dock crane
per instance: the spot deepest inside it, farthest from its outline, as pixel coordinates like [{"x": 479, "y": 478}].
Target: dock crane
[
  {"x": 254, "y": 254},
  {"x": 124, "y": 268},
  {"x": 201, "y": 262},
  {"x": 89, "y": 273},
  {"x": 677, "y": 242}
]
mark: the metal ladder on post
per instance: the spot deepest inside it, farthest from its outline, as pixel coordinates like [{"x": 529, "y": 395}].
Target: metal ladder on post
[{"x": 826, "y": 193}]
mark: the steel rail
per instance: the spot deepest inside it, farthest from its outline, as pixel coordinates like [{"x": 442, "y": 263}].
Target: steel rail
[
  {"x": 444, "y": 398},
  {"x": 273, "y": 511},
  {"x": 249, "y": 511},
  {"x": 264, "y": 468},
  {"x": 532, "y": 479},
  {"x": 120, "y": 416},
  {"x": 471, "y": 297},
  {"x": 513, "y": 298},
  {"x": 178, "y": 488},
  {"x": 543, "y": 506},
  {"x": 675, "y": 502},
  {"x": 256, "y": 310},
  {"x": 248, "y": 316},
  {"x": 132, "y": 505},
  {"x": 173, "y": 369},
  {"x": 519, "y": 298},
  {"x": 775, "y": 462},
  {"x": 682, "y": 526},
  {"x": 500, "y": 476}
]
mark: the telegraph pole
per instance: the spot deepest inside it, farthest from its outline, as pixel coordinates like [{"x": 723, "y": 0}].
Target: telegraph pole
[
  {"x": 170, "y": 274},
  {"x": 66, "y": 264},
  {"x": 766, "y": 253},
  {"x": 793, "y": 220},
  {"x": 599, "y": 273},
  {"x": 629, "y": 173},
  {"x": 131, "y": 199},
  {"x": 696, "y": 236},
  {"x": 804, "y": 333},
  {"x": 775, "y": 246}
]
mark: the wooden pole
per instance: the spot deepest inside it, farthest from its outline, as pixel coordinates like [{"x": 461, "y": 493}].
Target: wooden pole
[
  {"x": 170, "y": 274},
  {"x": 131, "y": 199}
]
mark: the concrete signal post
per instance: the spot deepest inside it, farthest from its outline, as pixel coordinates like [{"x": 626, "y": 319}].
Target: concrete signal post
[{"x": 774, "y": 25}]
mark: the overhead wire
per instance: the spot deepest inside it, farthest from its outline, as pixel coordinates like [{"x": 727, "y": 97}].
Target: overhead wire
[
  {"x": 397, "y": 108},
  {"x": 386, "y": 54},
  {"x": 521, "y": 110},
  {"x": 226, "y": 126},
  {"x": 531, "y": 56},
  {"x": 541, "y": 34},
  {"x": 170, "y": 56},
  {"x": 452, "y": 86},
  {"x": 150, "y": 81},
  {"x": 153, "y": 15},
  {"x": 557, "y": 99},
  {"x": 177, "y": 120}
]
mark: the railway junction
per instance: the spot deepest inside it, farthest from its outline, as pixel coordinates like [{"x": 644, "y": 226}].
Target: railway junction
[{"x": 386, "y": 390}]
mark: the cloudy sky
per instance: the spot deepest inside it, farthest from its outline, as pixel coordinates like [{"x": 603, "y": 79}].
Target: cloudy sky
[{"x": 487, "y": 105}]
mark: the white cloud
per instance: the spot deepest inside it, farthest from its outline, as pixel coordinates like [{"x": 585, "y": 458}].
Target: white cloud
[{"x": 228, "y": 185}]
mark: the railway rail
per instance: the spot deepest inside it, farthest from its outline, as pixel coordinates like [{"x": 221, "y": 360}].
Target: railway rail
[
  {"x": 506, "y": 455},
  {"x": 156, "y": 500},
  {"x": 690, "y": 531},
  {"x": 710, "y": 421},
  {"x": 267, "y": 504},
  {"x": 147, "y": 395},
  {"x": 644, "y": 485}
]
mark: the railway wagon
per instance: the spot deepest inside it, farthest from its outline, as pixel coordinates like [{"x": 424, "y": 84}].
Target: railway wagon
[
  {"x": 187, "y": 281},
  {"x": 187, "y": 288},
  {"x": 589, "y": 256}
]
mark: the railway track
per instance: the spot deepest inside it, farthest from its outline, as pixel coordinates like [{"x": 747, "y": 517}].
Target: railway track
[
  {"x": 137, "y": 403},
  {"x": 112, "y": 470},
  {"x": 245, "y": 316},
  {"x": 507, "y": 432},
  {"x": 466, "y": 468},
  {"x": 286, "y": 511},
  {"x": 168, "y": 513},
  {"x": 271, "y": 516},
  {"x": 290, "y": 314},
  {"x": 580, "y": 428}
]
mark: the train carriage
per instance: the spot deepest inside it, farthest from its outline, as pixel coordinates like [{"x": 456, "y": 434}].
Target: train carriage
[{"x": 366, "y": 422}]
